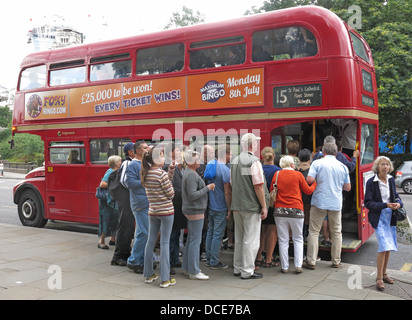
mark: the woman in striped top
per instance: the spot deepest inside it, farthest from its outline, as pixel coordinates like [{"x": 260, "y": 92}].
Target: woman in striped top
[{"x": 159, "y": 191}]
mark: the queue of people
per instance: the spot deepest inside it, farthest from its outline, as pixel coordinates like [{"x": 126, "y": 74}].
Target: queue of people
[{"x": 164, "y": 199}]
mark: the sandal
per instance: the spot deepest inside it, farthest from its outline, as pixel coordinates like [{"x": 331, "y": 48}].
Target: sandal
[
  {"x": 379, "y": 284},
  {"x": 258, "y": 263},
  {"x": 270, "y": 264},
  {"x": 387, "y": 279}
]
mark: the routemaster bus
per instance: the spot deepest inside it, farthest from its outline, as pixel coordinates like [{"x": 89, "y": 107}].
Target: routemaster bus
[{"x": 293, "y": 74}]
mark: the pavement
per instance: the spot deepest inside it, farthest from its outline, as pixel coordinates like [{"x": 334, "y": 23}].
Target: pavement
[{"x": 47, "y": 264}]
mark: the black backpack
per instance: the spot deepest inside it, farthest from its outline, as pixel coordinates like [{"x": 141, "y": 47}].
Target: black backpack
[{"x": 116, "y": 183}]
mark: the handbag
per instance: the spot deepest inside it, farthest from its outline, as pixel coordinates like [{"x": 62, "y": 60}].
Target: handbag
[
  {"x": 400, "y": 214},
  {"x": 101, "y": 194},
  {"x": 274, "y": 192}
]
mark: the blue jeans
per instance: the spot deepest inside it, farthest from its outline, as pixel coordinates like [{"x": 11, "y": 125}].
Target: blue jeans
[
  {"x": 140, "y": 237},
  {"x": 174, "y": 246},
  {"x": 162, "y": 224},
  {"x": 215, "y": 232},
  {"x": 192, "y": 247}
]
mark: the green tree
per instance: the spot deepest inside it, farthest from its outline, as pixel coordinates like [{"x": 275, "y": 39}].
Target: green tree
[
  {"x": 186, "y": 18},
  {"x": 5, "y": 117},
  {"x": 27, "y": 147}
]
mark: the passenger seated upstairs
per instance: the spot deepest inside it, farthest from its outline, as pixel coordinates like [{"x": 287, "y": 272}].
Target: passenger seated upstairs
[{"x": 260, "y": 55}]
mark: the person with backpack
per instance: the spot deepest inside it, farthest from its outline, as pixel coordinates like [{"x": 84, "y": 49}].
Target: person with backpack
[
  {"x": 140, "y": 207},
  {"x": 108, "y": 213},
  {"x": 119, "y": 193}
]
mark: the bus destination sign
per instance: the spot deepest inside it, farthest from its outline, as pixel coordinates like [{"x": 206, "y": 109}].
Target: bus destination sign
[{"x": 307, "y": 95}]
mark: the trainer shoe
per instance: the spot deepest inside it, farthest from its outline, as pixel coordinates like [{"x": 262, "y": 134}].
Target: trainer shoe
[
  {"x": 167, "y": 283},
  {"x": 199, "y": 276},
  {"x": 218, "y": 266},
  {"x": 152, "y": 278}
]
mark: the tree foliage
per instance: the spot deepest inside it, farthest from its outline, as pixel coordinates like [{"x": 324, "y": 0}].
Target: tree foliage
[
  {"x": 186, "y": 18},
  {"x": 27, "y": 147}
]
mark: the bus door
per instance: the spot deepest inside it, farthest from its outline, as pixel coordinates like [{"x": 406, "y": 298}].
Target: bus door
[
  {"x": 277, "y": 138},
  {"x": 368, "y": 153},
  {"x": 66, "y": 182}
]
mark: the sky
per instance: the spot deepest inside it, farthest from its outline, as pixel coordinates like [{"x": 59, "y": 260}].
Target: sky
[{"x": 98, "y": 20}]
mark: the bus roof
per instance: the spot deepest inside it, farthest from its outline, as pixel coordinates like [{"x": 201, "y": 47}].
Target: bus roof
[{"x": 329, "y": 27}]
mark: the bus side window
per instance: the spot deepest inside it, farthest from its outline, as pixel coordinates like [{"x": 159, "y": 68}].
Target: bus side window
[
  {"x": 218, "y": 56},
  {"x": 33, "y": 78},
  {"x": 157, "y": 60},
  {"x": 111, "y": 70},
  {"x": 367, "y": 143},
  {"x": 102, "y": 149},
  {"x": 283, "y": 43},
  {"x": 68, "y": 76},
  {"x": 67, "y": 152}
]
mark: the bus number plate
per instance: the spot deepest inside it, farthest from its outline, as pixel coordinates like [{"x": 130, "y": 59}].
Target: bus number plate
[{"x": 308, "y": 95}]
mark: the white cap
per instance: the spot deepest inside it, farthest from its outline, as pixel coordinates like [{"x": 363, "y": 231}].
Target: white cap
[{"x": 249, "y": 138}]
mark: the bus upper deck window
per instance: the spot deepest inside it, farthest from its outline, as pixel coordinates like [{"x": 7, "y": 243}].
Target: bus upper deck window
[
  {"x": 218, "y": 57},
  {"x": 67, "y": 76},
  {"x": 110, "y": 70},
  {"x": 359, "y": 47},
  {"x": 217, "y": 52},
  {"x": 33, "y": 78},
  {"x": 283, "y": 43},
  {"x": 157, "y": 60}
]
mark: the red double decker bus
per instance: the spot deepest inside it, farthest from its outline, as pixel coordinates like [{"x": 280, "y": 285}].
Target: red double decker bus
[{"x": 293, "y": 74}]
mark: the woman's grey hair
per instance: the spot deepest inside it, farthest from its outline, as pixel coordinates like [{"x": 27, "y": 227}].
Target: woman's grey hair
[
  {"x": 112, "y": 161},
  {"x": 330, "y": 148},
  {"x": 190, "y": 157},
  {"x": 286, "y": 162},
  {"x": 378, "y": 160}
]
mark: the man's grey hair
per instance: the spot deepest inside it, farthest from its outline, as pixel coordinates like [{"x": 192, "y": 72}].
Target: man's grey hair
[
  {"x": 329, "y": 139},
  {"x": 330, "y": 148}
]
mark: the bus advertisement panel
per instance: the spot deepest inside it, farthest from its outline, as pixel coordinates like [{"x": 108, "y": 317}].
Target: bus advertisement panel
[{"x": 240, "y": 88}]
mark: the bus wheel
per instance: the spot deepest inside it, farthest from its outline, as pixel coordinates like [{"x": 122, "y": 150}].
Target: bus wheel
[
  {"x": 407, "y": 186},
  {"x": 30, "y": 210}
]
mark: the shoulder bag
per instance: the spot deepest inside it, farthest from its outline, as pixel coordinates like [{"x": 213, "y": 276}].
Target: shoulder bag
[
  {"x": 101, "y": 194},
  {"x": 400, "y": 214},
  {"x": 274, "y": 192}
]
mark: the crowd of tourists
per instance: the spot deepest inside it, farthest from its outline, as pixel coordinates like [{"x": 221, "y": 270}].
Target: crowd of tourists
[{"x": 173, "y": 197}]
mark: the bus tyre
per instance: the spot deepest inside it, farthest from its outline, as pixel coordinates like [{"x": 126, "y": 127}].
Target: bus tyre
[
  {"x": 30, "y": 210},
  {"x": 407, "y": 186}
]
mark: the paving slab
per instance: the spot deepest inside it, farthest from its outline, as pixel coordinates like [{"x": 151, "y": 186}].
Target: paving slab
[{"x": 47, "y": 264}]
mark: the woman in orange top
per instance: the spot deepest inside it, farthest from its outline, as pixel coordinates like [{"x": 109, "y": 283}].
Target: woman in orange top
[{"x": 289, "y": 211}]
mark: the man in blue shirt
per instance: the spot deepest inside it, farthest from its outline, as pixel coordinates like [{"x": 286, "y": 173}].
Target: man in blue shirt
[
  {"x": 140, "y": 207},
  {"x": 332, "y": 177},
  {"x": 219, "y": 204}
]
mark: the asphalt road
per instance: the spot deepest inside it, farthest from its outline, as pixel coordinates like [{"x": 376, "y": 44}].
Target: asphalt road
[{"x": 366, "y": 254}]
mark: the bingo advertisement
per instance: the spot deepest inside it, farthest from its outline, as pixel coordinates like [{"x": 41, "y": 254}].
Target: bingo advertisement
[{"x": 240, "y": 88}]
